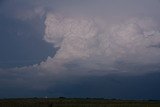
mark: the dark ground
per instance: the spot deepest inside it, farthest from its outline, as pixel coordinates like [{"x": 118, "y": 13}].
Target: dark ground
[{"x": 76, "y": 102}]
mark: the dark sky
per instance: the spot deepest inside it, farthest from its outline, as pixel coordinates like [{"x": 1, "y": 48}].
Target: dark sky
[{"x": 80, "y": 48}]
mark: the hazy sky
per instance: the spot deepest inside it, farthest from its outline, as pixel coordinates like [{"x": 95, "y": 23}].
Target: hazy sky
[{"x": 80, "y": 48}]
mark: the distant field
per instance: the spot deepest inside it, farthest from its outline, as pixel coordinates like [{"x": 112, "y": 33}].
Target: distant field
[{"x": 69, "y": 102}]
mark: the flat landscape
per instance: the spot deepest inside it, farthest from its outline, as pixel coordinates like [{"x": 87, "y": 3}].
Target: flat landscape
[{"x": 77, "y": 102}]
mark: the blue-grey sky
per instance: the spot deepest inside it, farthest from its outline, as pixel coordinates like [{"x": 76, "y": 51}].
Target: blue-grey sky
[{"x": 80, "y": 48}]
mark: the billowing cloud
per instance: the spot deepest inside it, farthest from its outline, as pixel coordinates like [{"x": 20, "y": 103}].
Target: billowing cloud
[
  {"x": 89, "y": 45},
  {"x": 92, "y": 37}
]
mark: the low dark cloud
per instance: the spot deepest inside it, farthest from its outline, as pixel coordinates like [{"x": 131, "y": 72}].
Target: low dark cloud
[{"x": 109, "y": 86}]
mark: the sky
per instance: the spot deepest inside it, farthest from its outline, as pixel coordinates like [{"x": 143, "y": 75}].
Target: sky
[{"x": 80, "y": 48}]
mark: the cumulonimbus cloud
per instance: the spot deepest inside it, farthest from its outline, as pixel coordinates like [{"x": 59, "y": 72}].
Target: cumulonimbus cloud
[
  {"x": 90, "y": 45},
  {"x": 98, "y": 43},
  {"x": 87, "y": 45}
]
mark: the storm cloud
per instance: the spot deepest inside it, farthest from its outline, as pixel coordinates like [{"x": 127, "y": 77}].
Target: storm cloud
[
  {"x": 93, "y": 46},
  {"x": 97, "y": 40},
  {"x": 89, "y": 38}
]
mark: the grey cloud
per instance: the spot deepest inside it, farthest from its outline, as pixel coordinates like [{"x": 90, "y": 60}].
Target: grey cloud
[
  {"x": 106, "y": 86},
  {"x": 155, "y": 46}
]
